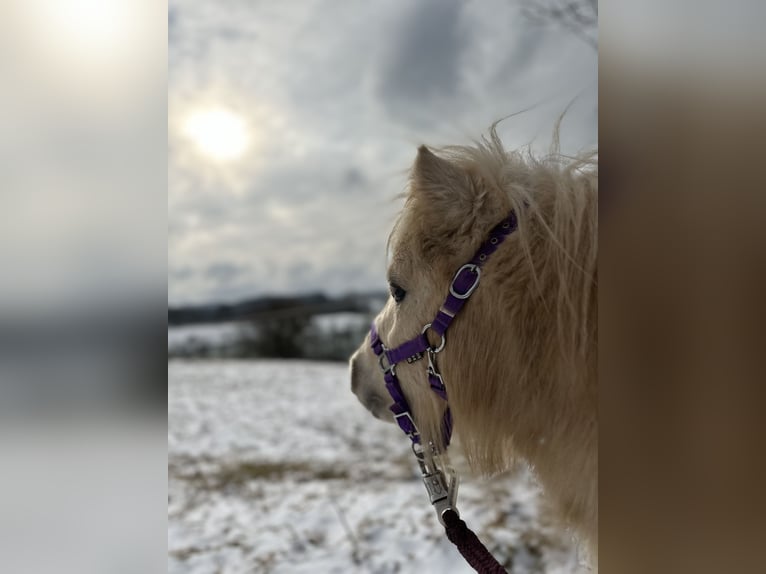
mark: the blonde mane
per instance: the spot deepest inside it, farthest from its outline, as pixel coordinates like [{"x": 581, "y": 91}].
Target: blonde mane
[
  {"x": 532, "y": 393},
  {"x": 560, "y": 193}
]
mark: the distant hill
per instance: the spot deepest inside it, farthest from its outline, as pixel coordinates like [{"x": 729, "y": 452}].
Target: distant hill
[{"x": 275, "y": 307}]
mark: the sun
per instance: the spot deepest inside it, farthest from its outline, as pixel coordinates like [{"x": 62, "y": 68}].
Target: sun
[{"x": 218, "y": 133}]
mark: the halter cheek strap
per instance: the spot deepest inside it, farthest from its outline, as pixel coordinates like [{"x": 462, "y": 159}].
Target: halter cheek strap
[{"x": 463, "y": 285}]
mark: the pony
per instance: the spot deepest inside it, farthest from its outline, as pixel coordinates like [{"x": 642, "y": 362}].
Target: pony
[{"x": 520, "y": 365}]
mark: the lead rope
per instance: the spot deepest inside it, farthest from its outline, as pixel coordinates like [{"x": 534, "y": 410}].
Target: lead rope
[
  {"x": 469, "y": 545},
  {"x": 443, "y": 496}
]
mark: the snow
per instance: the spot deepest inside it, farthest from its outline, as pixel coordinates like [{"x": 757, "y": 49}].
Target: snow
[
  {"x": 211, "y": 334},
  {"x": 330, "y": 322},
  {"x": 273, "y": 466}
]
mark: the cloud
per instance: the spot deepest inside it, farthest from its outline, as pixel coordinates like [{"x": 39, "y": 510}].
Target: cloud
[
  {"x": 224, "y": 273},
  {"x": 338, "y": 96},
  {"x": 425, "y": 62}
]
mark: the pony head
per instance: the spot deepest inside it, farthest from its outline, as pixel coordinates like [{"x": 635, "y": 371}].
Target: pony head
[{"x": 519, "y": 362}]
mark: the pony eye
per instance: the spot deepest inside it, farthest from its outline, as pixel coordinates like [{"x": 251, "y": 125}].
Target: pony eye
[{"x": 397, "y": 292}]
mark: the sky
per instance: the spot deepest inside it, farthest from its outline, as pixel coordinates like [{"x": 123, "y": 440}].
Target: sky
[{"x": 292, "y": 126}]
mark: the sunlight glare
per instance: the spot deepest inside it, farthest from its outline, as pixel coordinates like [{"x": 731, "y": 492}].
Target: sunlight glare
[
  {"x": 96, "y": 54},
  {"x": 218, "y": 133},
  {"x": 88, "y": 30}
]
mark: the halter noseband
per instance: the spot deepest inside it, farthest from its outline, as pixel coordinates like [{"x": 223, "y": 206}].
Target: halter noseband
[{"x": 463, "y": 284}]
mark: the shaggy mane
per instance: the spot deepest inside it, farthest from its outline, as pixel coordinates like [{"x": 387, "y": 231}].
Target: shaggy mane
[
  {"x": 521, "y": 363},
  {"x": 559, "y": 193}
]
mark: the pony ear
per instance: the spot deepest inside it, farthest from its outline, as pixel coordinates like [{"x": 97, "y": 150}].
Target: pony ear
[
  {"x": 451, "y": 204},
  {"x": 448, "y": 192},
  {"x": 440, "y": 179}
]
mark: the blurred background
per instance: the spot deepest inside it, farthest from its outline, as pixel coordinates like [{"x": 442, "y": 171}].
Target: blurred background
[
  {"x": 83, "y": 183},
  {"x": 291, "y": 130}
]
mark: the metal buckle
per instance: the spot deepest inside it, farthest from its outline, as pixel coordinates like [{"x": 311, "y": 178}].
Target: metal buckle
[{"x": 476, "y": 271}]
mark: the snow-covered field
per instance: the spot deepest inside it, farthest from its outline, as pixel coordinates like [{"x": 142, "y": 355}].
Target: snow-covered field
[{"x": 274, "y": 467}]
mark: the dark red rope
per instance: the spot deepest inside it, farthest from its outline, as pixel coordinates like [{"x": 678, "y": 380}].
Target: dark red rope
[{"x": 468, "y": 544}]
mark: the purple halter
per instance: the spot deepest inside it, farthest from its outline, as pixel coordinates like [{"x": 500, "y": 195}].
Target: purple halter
[{"x": 464, "y": 283}]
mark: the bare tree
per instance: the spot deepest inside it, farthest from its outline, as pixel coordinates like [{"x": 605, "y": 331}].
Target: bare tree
[{"x": 579, "y": 17}]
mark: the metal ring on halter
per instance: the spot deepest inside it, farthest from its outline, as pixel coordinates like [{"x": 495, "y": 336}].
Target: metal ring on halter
[{"x": 441, "y": 345}]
